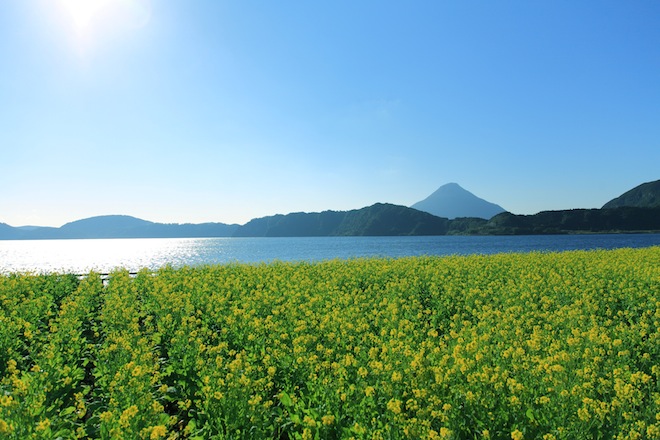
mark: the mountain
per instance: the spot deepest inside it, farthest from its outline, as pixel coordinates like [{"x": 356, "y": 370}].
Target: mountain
[
  {"x": 8, "y": 232},
  {"x": 117, "y": 226},
  {"x": 452, "y": 201},
  {"x": 105, "y": 226},
  {"x": 376, "y": 220},
  {"x": 637, "y": 210},
  {"x": 646, "y": 195}
]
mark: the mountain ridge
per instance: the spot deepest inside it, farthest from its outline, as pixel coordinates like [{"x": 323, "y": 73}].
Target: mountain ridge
[
  {"x": 118, "y": 226},
  {"x": 377, "y": 219}
]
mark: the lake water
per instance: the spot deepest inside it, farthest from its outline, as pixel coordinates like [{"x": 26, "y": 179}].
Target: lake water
[{"x": 81, "y": 256}]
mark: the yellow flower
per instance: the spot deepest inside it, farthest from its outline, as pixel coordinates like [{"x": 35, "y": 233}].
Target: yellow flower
[
  {"x": 358, "y": 429},
  {"x": 583, "y": 414},
  {"x": 369, "y": 391},
  {"x": 4, "y": 427},
  {"x": 158, "y": 432},
  {"x": 394, "y": 405},
  {"x": 328, "y": 420},
  {"x": 127, "y": 415},
  {"x": 157, "y": 406},
  {"x": 6, "y": 400},
  {"x": 43, "y": 425},
  {"x": 517, "y": 435}
]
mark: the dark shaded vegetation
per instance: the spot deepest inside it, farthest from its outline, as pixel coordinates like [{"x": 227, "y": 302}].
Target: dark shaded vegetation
[
  {"x": 625, "y": 219},
  {"x": 380, "y": 219},
  {"x": 467, "y": 226}
]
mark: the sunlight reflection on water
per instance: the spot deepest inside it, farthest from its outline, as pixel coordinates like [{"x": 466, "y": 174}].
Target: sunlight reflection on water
[
  {"x": 105, "y": 255},
  {"x": 81, "y": 256}
]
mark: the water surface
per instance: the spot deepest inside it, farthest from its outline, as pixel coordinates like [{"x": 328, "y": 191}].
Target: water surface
[{"x": 104, "y": 255}]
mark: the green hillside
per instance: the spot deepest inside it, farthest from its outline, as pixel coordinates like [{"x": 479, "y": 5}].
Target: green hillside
[
  {"x": 624, "y": 219},
  {"x": 377, "y": 220},
  {"x": 646, "y": 195}
]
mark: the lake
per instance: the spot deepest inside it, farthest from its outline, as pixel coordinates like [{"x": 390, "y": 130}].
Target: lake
[{"x": 81, "y": 256}]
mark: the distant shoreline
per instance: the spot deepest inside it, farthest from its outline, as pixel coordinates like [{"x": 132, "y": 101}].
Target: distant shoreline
[{"x": 379, "y": 220}]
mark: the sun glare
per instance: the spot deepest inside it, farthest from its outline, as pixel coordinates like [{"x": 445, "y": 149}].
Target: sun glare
[
  {"x": 91, "y": 19},
  {"x": 83, "y": 12}
]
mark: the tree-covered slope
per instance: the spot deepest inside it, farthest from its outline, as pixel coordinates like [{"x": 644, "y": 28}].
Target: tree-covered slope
[
  {"x": 376, "y": 220},
  {"x": 646, "y": 195},
  {"x": 624, "y": 219}
]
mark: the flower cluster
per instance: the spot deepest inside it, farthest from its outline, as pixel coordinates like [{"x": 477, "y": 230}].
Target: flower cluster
[{"x": 540, "y": 345}]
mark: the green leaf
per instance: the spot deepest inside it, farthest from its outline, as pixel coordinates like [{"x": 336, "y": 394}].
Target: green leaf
[
  {"x": 285, "y": 399},
  {"x": 191, "y": 426},
  {"x": 67, "y": 411},
  {"x": 530, "y": 414}
]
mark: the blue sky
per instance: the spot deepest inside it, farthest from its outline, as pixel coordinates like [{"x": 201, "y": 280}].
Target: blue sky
[{"x": 194, "y": 111}]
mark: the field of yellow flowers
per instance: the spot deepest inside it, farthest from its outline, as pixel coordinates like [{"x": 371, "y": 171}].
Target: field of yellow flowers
[{"x": 511, "y": 346}]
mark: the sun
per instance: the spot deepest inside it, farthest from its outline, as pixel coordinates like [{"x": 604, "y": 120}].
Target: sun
[
  {"x": 84, "y": 12},
  {"x": 89, "y": 18}
]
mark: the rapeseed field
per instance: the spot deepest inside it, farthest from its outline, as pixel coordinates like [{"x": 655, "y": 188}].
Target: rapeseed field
[{"x": 511, "y": 346}]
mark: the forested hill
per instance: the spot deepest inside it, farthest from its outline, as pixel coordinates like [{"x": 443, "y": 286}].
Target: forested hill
[
  {"x": 377, "y": 220},
  {"x": 646, "y": 195},
  {"x": 624, "y": 219}
]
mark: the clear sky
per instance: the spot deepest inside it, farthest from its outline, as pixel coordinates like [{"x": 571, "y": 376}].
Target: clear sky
[{"x": 226, "y": 110}]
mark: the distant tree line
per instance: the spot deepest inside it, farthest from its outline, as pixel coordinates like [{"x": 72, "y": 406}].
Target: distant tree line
[{"x": 623, "y": 219}]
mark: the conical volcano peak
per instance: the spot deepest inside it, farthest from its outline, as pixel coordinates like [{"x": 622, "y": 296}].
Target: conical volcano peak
[
  {"x": 452, "y": 201},
  {"x": 452, "y": 188}
]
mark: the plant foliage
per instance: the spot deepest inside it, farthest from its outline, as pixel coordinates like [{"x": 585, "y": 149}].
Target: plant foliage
[{"x": 540, "y": 345}]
